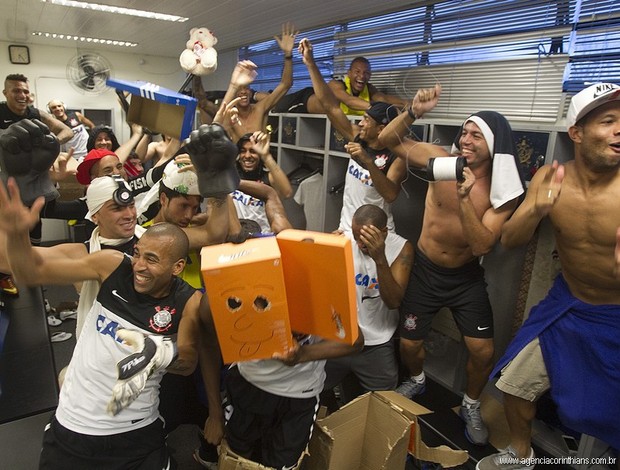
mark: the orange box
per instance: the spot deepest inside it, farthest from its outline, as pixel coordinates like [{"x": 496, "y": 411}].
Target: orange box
[
  {"x": 320, "y": 284},
  {"x": 247, "y": 295}
]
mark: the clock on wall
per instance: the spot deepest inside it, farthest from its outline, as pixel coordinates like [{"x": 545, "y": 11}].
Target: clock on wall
[{"x": 19, "y": 54}]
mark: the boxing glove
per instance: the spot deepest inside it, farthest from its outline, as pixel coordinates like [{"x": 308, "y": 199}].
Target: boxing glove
[
  {"x": 151, "y": 353},
  {"x": 27, "y": 152},
  {"x": 213, "y": 155}
]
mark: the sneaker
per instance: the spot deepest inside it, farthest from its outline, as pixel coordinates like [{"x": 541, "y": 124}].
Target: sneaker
[
  {"x": 70, "y": 314},
  {"x": 204, "y": 463},
  {"x": 410, "y": 388},
  {"x": 53, "y": 321},
  {"x": 475, "y": 429},
  {"x": 60, "y": 337},
  {"x": 506, "y": 460},
  {"x": 7, "y": 285}
]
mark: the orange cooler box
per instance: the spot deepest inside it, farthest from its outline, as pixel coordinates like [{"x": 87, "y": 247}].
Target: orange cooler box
[
  {"x": 320, "y": 285},
  {"x": 247, "y": 294}
]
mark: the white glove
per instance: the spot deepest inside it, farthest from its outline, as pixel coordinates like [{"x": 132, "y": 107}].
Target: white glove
[{"x": 152, "y": 353}]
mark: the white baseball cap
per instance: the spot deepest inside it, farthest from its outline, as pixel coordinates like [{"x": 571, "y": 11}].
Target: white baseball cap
[{"x": 590, "y": 98}]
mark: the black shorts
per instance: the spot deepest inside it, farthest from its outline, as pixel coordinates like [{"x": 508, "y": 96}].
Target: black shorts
[
  {"x": 266, "y": 428},
  {"x": 431, "y": 287},
  {"x": 140, "y": 449},
  {"x": 295, "y": 102}
]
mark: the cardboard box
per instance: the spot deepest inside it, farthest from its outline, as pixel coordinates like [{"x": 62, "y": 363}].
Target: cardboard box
[
  {"x": 231, "y": 461},
  {"x": 320, "y": 288},
  {"x": 374, "y": 432},
  {"x": 245, "y": 284},
  {"x": 157, "y": 108}
]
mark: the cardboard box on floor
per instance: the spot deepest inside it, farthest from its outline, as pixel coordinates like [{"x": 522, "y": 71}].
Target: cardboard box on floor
[
  {"x": 230, "y": 461},
  {"x": 157, "y": 108},
  {"x": 304, "y": 279},
  {"x": 374, "y": 432}
]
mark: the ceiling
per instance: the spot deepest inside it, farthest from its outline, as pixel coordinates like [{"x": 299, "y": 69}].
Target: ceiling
[{"x": 234, "y": 22}]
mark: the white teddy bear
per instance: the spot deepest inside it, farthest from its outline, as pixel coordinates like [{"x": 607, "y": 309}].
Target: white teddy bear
[{"x": 200, "y": 57}]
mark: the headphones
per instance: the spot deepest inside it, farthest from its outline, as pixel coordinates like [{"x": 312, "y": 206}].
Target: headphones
[{"x": 122, "y": 195}]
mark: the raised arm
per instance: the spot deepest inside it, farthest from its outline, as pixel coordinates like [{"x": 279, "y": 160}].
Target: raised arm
[
  {"x": 386, "y": 184},
  {"x": 394, "y": 133},
  {"x": 243, "y": 74},
  {"x": 62, "y": 132},
  {"x": 541, "y": 195},
  {"x": 277, "y": 177},
  {"x": 126, "y": 147},
  {"x": 27, "y": 264},
  {"x": 84, "y": 120},
  {"x": 328, "y": 100},
  {"x": 286, "y": 42}
]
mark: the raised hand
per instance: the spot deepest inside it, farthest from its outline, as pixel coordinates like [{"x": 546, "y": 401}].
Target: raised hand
[
  {"x": 425, "y": 100},
  {"x": 260, "y": 144},
  {"x": 287, "y": 40},
  {"x": 549, "y": 189},
  {"x": 305, "y": 50},
  {"x": 213, "y": 155},
  {"x": 244, "y": 73},
  {"x": 27, "y": 152},
  {"x": 15, "y": 217}
]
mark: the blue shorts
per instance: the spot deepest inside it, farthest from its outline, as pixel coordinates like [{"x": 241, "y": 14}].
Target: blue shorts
[{"x": 431, "y": 287}]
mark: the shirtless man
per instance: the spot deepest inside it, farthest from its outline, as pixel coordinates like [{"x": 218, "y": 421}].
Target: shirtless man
[
  {"x": 462, "y": 222},
  {"x": 570, "y": 341},
  {"x": 253, "y": 116}
]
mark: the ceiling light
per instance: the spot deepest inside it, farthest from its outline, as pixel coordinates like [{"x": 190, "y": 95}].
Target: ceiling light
[
  {"x": 85, "y": 39},
  {"x": 119, "y": 10}
]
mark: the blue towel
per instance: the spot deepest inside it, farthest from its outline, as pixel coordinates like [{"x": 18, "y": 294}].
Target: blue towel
[{"x": 580, "y": 344}]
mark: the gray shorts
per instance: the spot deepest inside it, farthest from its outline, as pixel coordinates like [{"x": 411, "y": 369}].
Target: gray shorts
[{"x": 526, "y": 375}]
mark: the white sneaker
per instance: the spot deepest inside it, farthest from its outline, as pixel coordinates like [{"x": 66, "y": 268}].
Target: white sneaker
[{"x": 506, "y": 460}]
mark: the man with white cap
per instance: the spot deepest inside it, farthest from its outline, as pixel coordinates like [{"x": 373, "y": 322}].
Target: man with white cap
[
  {"x": 462, "y": 221},
  {"x": 570, "y": 341}
]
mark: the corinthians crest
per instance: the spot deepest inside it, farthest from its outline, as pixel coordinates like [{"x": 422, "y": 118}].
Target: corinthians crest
[{"x": 162, "y": 320}]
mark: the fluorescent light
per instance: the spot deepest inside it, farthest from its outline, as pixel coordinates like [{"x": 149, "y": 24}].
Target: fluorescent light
[
  {"x": 113, "y": 42},
  {"x": 119, "y": 10}
]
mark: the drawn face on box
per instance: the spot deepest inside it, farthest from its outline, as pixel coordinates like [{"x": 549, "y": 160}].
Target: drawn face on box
[{"x": 256, "y": 311}]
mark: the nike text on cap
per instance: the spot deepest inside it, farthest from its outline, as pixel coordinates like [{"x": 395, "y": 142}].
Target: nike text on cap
[{"x": 590, "y": 98}]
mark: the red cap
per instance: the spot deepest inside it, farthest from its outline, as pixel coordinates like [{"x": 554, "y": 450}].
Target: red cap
[{"x": 92, "y": 157}]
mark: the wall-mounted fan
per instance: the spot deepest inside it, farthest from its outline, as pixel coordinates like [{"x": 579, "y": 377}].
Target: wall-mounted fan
[{"x": 88, "y": 72}]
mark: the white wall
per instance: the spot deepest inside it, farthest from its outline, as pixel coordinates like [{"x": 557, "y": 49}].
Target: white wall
[{"x": 47, "y": 75}]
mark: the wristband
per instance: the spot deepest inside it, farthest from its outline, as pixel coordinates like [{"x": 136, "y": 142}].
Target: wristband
[
  {"x": 288, "y": 57},
  {"x": 411, "y": 114}
]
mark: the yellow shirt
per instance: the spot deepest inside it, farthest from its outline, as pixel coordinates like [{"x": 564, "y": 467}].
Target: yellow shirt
[{"x": 365, "y": 95}]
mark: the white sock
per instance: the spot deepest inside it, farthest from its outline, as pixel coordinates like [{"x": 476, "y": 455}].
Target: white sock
[
  {"x": 469, "y": 402},
  {"x": 419, "y": 378}
]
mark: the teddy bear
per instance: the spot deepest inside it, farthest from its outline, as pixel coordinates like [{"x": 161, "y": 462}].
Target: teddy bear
[{"x": 200, "y": 57}]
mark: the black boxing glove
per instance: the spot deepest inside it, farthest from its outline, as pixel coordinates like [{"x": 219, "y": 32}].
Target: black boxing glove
[
  {"x": 213, "y": 155},
  {"x": 27, "y": 152}
]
